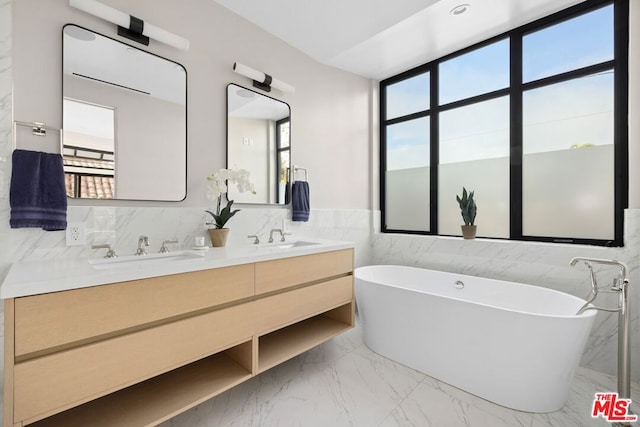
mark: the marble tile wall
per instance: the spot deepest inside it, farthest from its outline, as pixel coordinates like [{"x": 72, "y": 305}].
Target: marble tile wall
[
  {"x": 121, "y": 226},
  {"x": 533, "y": 263}
]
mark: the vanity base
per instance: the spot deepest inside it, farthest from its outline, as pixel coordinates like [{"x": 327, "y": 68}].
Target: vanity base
[{"x": 187, "y": 367}]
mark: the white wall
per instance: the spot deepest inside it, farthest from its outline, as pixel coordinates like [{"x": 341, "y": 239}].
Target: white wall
[{"x": 251, "y": 146}]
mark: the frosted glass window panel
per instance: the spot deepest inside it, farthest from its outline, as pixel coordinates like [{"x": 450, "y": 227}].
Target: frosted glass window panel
[
  {"x": 408, "y": 157},
  {"x": 570, "y": 45},
  {"x": 489, "y": 179},
  {"x": 573, "y": 113},
  {"x": 480, "y": 71},
  {"x": 408, "y": 96},
  {"x": 568, "y": 166},
  {"x": 408, "y": 144},
  {"x": 568, "y": 193},
  {"x": 475, "y": 132},
  {"x": 407, "y": 199},
  {"x": 474, "y": 153}
]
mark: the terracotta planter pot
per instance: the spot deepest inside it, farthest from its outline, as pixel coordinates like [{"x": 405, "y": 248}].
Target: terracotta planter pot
[
  {"x": 218, "y": 236},
  {"x": 468, "y": 231}
]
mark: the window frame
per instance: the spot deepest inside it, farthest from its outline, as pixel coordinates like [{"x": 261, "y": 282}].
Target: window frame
[{"x": 515, "y": 91}]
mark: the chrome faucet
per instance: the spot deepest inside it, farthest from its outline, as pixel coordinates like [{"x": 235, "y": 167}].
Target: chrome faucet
[
  {"x": 279, "y": 230},
  {"x": 256, "y": 239},
  {"x": 620, "y": 285},
  {"x": 110, "y": 252},
  {"x": 143, "y": 241},
  {"x": 164, "y": 249}
]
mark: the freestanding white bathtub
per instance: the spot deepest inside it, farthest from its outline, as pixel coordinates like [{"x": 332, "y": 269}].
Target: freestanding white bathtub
[{"x": 513, "y": 344}]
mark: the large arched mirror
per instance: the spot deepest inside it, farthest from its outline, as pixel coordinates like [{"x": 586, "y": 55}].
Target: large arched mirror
[
  {"x": 258, "y": 140},
  {"x": 124, "y": 120}
]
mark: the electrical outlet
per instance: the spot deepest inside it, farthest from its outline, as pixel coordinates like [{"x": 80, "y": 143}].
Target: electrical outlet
[{"x": 76, "y": 234}]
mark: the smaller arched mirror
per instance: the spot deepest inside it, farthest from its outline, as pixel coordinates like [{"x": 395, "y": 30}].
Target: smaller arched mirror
[{"x": 258, "y": 140}]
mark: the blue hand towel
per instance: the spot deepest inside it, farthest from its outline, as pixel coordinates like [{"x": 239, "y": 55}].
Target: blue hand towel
[
  {"x": 37, "y": 195},
  {"x": 300, "y": 201}
]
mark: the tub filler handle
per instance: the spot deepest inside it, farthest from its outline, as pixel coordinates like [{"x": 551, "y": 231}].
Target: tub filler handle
[{"x": 459, "y": 284}]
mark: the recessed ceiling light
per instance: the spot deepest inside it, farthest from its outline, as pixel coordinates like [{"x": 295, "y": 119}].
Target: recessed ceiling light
[{"x": 460, "y": 9}]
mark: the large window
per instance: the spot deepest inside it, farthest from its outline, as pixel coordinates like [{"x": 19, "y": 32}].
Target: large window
[{"x": 534, "y": 121}]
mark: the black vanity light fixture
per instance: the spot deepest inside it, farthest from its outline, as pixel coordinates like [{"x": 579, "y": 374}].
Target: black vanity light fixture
[
  {"x": 261, "y": 80},
  {"x": 129, "y": 26}
]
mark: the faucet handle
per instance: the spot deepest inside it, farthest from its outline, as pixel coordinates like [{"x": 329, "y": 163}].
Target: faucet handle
[
  {"x": 110, "y": 252},
  {"x": 256, "y": 239},
  {"x": 142, "y": 242},
  {"x": 164, "y": 249}
]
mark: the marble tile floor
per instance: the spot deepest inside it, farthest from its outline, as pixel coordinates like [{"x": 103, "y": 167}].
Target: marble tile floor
[{"x": 343, "y": 383}]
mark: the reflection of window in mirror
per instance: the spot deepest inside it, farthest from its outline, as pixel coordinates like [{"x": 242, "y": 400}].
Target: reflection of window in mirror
[
  {"x": 88, "y": 151},
  {"x": 258, "y": 140},
  {"x": 283, "y": 149}
]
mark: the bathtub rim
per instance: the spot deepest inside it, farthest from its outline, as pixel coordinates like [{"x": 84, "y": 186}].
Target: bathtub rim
[{"x": 585, "y": 314}]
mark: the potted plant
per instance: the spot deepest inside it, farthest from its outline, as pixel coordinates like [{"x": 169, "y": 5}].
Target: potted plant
[
  {"x": 217, "y": 185},
  {"x": 468, "y": 209}
]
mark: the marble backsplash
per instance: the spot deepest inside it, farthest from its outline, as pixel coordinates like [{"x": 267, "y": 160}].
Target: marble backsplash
[
  {"x": 121, "y": 227},
  {"x": 533, "y": 263}
]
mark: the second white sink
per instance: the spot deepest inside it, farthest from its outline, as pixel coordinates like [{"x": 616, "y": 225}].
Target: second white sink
[{"x": 287, "y": 245}]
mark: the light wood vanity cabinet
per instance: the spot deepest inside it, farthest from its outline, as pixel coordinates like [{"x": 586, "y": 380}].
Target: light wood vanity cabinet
[{"x": 138, "y": 353}]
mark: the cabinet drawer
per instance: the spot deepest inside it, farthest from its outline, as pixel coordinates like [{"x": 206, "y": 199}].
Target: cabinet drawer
[
  {"x": 48, "y": 384},
  {"x": 286, "y": 272},
  {"x": 58, "y": 319},
  {"x": 286, "y": 308}
]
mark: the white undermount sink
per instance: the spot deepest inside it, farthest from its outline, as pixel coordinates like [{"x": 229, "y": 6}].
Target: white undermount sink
[
  {"x": 144, "y": 260},
  {"x": 287, "y": 245}
]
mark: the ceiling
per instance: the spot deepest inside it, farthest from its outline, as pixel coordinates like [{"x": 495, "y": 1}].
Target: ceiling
[{"x": 380, "y": 38}]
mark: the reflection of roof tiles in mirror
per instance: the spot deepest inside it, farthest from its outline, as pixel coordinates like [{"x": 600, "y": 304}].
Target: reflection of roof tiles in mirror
[{"x": 95, "y": 56}]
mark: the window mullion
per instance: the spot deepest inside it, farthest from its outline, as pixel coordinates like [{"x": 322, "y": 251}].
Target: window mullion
[
  {"x": 435, "y": 143},
  {"x": 515, "y": 138}
]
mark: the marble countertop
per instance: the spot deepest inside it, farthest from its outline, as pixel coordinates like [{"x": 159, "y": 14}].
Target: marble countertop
[{"x": 39, "y": 277}]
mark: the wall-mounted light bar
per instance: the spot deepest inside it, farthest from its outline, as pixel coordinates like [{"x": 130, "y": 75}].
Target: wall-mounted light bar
[
  {"x": 129, "y": 26},
  {"x": 261, "y": 80}
]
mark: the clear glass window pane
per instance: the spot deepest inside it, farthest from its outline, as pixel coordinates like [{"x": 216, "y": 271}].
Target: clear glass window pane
[
  {"x": 407, "y": 176},
  {"x": 408, "y": 96},
  {"x": 474, "y": 153},
  {"x": 479, "y": 71},
  {"x": 576, "y": 43},
  {"x": 283, "y": 181},
  {"x": 568, "y": 166},
  {"x": 284, "y": 134}
]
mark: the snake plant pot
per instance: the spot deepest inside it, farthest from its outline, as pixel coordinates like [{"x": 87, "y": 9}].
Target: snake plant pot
[
  {"x": 468, "y": 231},
  {"x": 218, "y": 236}
]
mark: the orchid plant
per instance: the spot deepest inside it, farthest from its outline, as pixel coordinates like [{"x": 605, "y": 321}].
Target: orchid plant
[{"x": 217, "y": 186}]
